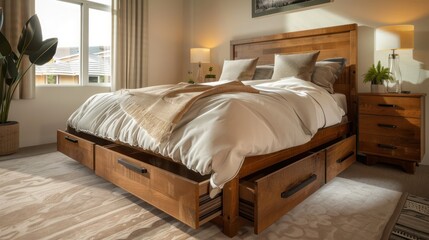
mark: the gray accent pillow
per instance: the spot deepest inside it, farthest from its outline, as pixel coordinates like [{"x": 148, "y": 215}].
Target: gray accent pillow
[
  {"x": 242, "y": 69},
  {"x": 325, "y": 75},
  {"x": 295, "y": 65},
  {"x": 326, "y": 72},
  {"x": 263, "y": 72}
]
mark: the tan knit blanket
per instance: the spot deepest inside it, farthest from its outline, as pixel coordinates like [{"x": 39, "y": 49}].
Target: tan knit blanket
[{"x": 159, "y": 108}]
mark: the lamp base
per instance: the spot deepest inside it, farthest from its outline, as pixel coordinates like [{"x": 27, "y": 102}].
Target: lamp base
[{"x": 394, "y": 86}]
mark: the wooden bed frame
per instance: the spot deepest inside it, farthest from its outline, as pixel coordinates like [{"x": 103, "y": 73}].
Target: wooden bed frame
[{"x": 339, "y": 41}]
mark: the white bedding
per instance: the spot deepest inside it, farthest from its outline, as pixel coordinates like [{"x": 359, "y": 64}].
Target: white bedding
[{"x": 219, "y": 131}]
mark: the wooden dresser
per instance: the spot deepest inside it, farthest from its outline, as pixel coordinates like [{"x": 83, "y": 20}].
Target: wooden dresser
[{"x": 392, "y": 128}]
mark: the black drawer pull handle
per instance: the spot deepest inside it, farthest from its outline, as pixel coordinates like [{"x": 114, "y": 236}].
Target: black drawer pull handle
[
  {"x": 132, "y": 167},
  {"x": 387, "y": 105},
  {"x": 299, "y": 186},
  {"x": 386, "y": 125},
  {"x": 346, "y": 157},
  {"x": 71, "y": 139},
  {"x": 387, "y": 146}
]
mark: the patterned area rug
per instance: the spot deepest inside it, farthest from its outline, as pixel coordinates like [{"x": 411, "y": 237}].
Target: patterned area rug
[
  {"x": 51, "y": 196},
  {"x": 410, "y": 219}
]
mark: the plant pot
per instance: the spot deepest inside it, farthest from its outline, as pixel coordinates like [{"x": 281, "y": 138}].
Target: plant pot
[
  {"x": 209, "y": 79},
  {"x": 9, "y": 138},
  {"x": 378, "y": 88}
]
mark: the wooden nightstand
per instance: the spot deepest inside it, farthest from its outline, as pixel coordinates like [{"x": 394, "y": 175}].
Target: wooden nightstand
[{"x": 392, "y": 128}]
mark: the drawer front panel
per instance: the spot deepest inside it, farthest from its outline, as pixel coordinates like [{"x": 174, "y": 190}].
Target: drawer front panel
[
  {"x": 407, "y": 128},
  {"x": 282, "y": 190},
  {"x": 390, "y": 106},
  {"x": 340, "y": 156},
  {"x": 77, "y": 148},
  {"x": 173, "y": 194},
  {"x": 396, "y": 147}
]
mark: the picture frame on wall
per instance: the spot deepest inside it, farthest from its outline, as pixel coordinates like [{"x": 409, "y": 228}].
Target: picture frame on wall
[{"x": 266, "y": 7}]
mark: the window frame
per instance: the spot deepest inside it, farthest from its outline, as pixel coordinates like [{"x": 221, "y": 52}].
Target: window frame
[{"x": 85, "y": 5}]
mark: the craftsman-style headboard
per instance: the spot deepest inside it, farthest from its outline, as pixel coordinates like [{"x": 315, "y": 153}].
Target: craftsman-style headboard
[{"x": 339, "y": 41}]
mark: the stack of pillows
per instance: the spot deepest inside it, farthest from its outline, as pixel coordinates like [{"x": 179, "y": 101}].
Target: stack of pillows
[{"x": 304, "y": 66}]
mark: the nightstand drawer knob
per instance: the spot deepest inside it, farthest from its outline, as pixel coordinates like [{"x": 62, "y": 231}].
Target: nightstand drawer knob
[
  {"x": 387, "y": 105},
  {"x": 387, "y": 146},
  {"x": 386, "y": 125}
]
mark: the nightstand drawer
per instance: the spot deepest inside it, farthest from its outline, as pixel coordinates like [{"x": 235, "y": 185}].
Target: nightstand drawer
[
  {"x": 390, "y": 106},
  {"x": 406, "y": 128},
  {"x": 395, "y": 147}
]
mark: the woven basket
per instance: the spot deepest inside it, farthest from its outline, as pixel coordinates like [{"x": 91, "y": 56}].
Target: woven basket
[{"x": 9, "y": 138}]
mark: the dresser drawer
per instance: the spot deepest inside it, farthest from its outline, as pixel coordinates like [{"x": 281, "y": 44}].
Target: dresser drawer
[
  {"x": 398, "y": 127},
  {"x": 340, "y": 156},
  {"x": 267, "y": 195},
  {"x": 387, "y": 146},
  {"x": 391, "y": 106},
  {"x": 166, "y": 185},
  {"x": 77, "y": 148}
]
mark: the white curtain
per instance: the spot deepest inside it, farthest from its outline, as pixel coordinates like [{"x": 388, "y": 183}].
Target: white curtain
[
  {"x": 16, "y": 13},
  {"x": 129, "y": 44}
]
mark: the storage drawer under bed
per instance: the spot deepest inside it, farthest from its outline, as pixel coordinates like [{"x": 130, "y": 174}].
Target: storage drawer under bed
[
  {"x": 166, "y": 185},
  {"x": 339, "y": 156},
  {"x": 267, "y": 195},
  {"x": 79, "y": 148}
]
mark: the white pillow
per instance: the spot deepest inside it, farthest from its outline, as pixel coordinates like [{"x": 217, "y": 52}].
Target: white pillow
[
  {"x": 242, "y": 69},
  {"x": 295, "y": 65}
]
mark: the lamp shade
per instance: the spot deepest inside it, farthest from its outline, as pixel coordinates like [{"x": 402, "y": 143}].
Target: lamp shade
[
  {"x": 200, "y": 55},
  {"x": 394, "y": 37}
]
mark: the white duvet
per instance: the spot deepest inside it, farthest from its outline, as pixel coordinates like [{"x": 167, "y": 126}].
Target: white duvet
[{"x": 219, "y": 131}]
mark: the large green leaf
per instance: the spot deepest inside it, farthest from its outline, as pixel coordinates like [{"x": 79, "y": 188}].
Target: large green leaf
[
  {"x": 12, "y": 70},
  {"x": 31, "y": 36},
  {"x": 1, "y": 18},
  {"x": 45, "y": 53},
  {"x": 5, "y": 48}
]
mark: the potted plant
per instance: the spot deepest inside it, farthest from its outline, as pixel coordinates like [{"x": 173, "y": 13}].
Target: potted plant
[
  {"x": 210, "y": 77},
  {"x": 39, "y": 52},
  {"x": 376, "y": 75}
]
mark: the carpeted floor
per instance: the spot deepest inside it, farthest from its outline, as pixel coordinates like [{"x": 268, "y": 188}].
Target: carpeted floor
[{"x": 50, "y": 196}]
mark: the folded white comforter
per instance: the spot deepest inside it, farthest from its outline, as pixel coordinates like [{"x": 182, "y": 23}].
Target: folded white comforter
[{"x": 219, "y": 131}]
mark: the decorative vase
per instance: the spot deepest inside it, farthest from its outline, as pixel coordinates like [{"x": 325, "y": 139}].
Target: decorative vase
[
  {"x": 9, "y": 138},
  {"x": 378, "y": 88}
]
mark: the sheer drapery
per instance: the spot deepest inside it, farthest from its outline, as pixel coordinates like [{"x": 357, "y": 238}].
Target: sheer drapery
[
  {"x": 16, "y": 14},
  {"x": 129, "y": 44}
]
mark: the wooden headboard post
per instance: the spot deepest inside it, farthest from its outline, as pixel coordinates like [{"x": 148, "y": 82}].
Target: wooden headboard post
[{"x": 338, "y": 41}]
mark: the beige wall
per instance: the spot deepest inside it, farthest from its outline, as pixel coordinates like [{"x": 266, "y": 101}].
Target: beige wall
[
  {"x": 215, "y": 23},
  {"x": 166, "y": 41},
  {"x": 39, "y": 118}
]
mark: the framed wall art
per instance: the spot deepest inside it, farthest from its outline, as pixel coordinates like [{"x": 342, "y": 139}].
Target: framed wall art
[{"x": 265, "y": 7}]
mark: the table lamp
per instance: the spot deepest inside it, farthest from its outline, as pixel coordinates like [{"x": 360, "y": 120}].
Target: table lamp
[
  {"x": 200, "y": 55},
  {"x": 393, "y": 38}
]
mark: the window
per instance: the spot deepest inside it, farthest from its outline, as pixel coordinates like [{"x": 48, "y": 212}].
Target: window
[{"x": 83, "y": 29}]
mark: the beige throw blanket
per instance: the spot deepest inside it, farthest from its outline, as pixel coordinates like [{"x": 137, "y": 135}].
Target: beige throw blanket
[{"x": 159, "y": 108}]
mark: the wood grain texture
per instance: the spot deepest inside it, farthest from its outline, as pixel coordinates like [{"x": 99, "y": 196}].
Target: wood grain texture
[
  {"x": 171, "y": 193},
  {"x": 77, "y": 148},
  {"x": 391, "y": 128},
  {"x": 268, "y": 186},
  {"x": 404, "y": 105},
  {"x": 338, "y": 41},
  {"x": 340, "y": 156}
]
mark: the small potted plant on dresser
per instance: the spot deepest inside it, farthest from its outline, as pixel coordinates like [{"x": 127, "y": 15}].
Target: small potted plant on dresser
[
  {"x": 210, "y": 77},
  {"x": 39, "y": 52},
  {"x": 376, "y": 75}
]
